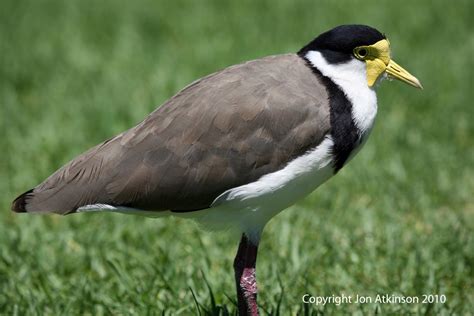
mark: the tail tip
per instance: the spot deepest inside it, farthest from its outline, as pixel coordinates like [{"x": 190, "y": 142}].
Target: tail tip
[{"x": 19, "y": 204}]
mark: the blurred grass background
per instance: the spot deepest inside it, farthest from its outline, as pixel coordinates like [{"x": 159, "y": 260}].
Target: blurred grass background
[{"x": 398, "y": 220}]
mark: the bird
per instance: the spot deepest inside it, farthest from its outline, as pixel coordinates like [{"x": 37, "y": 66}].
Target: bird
[{"x": 234, "y": 148}]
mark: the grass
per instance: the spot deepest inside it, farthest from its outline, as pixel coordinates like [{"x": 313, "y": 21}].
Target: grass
[{"x": 397, "y": 220}]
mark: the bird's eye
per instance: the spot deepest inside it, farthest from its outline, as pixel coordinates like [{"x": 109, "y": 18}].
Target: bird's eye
[{"x": 360, "y": 52}]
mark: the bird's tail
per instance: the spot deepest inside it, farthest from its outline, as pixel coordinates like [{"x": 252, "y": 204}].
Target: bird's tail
[{"x": 19, "y": 204}]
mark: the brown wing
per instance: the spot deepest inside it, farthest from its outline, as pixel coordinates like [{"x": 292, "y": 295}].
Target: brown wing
[{"x": 220, "y": 132}]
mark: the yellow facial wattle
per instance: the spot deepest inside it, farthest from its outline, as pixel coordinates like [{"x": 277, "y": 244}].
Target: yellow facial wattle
[{"x": 377, "y": 58}]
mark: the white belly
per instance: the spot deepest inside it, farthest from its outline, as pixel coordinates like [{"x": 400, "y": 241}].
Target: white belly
[{"x": 249, "y": 207}]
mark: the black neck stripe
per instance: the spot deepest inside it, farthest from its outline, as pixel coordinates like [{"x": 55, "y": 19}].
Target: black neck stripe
[{"x": 344, "y": 132}]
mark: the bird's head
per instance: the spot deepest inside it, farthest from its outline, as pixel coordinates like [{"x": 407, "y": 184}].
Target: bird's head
[{"x": 362, "y": 48}]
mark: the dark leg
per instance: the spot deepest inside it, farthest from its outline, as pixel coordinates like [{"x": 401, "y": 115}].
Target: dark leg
[{"x": 244, "y": 267}]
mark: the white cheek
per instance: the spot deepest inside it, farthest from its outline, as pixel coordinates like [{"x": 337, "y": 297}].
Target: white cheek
[{"x": 351, "y": 77}]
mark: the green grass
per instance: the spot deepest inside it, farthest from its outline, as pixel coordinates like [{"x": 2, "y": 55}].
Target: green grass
[{"x": 398, "y": 219}]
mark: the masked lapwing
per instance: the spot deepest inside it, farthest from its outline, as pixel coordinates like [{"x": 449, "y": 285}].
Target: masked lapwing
[{"x": 233, "y": 149}]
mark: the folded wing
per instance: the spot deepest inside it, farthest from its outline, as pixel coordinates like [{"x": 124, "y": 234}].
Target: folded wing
[{"x": 222, "y": 131}]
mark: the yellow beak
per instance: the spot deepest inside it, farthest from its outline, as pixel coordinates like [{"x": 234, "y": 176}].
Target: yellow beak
[{"x": 396, "y": 71}]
